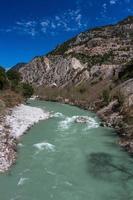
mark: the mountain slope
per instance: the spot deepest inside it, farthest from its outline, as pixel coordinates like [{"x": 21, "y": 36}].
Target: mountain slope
[
  {"x": 101, "y": 50},
  {"x": 18, "y": 66}
]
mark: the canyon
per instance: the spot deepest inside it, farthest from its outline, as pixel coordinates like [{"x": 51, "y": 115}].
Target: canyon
[{"x": 93, "y": 70}]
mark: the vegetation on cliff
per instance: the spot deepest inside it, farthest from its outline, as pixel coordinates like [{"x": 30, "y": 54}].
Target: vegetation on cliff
[
  {"x": 12, "y": 91},
  {"x": 3, "y": 78}
]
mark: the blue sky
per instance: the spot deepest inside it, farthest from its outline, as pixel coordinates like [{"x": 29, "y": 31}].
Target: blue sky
[{"x": 34, "y": 27}]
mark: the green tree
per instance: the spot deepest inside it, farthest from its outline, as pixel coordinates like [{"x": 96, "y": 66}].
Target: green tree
[
  {"x": 3, "y": 79},
  {"x": 27, "y": 90},
  {"x": 14, "y": 78}
]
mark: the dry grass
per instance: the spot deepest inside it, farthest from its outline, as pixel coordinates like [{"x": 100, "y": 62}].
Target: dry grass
[
  {"x": 10, "y": 98},
  {"x": 84, "y": 93},
  {"x": 80, "y": 92}
]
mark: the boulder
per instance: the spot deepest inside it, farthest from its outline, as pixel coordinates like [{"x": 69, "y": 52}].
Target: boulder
[{"x": 81, "y": 120}]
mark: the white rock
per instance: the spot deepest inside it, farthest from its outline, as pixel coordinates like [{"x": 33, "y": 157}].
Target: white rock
[{"x": 23, "y": 117}]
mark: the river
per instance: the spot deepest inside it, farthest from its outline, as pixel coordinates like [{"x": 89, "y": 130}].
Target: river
[{"x": 62, "y": 160}]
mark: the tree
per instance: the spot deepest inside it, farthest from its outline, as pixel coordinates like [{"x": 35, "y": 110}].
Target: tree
[
  {"x": 27, "y": 90},
  {"x": 14, "y": 76},
  {"x": 3, "y": 80}
]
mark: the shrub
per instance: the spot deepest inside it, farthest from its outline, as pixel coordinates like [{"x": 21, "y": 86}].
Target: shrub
[
  {"x": 127, "y": 72},
  {"x": 81, "y": 88},
  {"x": 106, "y": 95},
  {"x": 94, "y": 59},
  {"x": 61, "y": 49}
]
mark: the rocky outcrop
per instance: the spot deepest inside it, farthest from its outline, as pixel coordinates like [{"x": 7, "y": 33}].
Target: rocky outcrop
[
  {"x": 54, "y": 70},
  {"x": 110, "y": 113},
  {"x": 119, "y": 114}
]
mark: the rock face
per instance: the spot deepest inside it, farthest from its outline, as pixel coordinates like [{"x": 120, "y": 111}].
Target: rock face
[
  {"x": 100, "y": 52},
  {"x": 54, "y": 70},
  {"x": 103, "y": 59}
]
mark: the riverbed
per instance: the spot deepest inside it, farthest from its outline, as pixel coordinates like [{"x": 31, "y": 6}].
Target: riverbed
[{"x": 61, "y": 159}]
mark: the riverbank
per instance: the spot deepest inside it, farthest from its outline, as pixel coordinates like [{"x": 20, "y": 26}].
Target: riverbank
[
  {"x": 116, "y": 112},
  {"x": 14, "y": 123},
  {"x": 17, "y": 120},
  {"x": 68, "y": 154}
]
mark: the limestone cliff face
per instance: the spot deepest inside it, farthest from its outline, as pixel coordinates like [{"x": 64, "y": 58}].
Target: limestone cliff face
[
  {"x": 97, "y": 53},
  {"x": 54, "y": 70}
]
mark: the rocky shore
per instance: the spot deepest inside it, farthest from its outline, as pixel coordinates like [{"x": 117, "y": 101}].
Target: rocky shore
[
  {"x": 8, "y": 144},
  {"x": 14, "y": 123},
  {"x": 118, "y": 113}
]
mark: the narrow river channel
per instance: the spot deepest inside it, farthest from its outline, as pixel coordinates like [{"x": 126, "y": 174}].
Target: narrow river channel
[{"x": 60, "y": 159}]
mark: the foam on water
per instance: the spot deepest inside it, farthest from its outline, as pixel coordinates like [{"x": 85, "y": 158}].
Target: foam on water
[
  {"x": 68, "y": 183},
  {"x": 22, "y": 181},
  {"x": 44, "y": 145},
  {"x": 66, "y": 123},
  {"x": 50, "y": 172},
  {"x": 69, "y": 121},
  {"x": 20, "y": 145},
  {"x": 92, "y": 123},
  {"x": 58, "y": 115}
]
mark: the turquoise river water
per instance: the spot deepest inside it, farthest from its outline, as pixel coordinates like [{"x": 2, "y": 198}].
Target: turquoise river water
[{"x": 59, "y": 159}]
